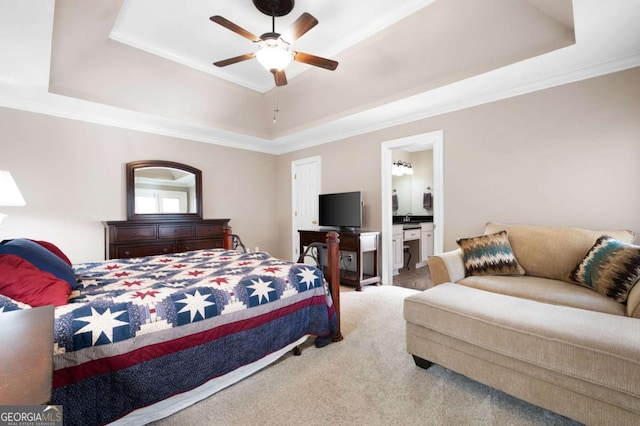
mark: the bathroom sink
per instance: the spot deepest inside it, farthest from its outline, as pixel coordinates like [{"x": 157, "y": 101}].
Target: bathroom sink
[
  {"x": 411, "y": 225},
  {"x": 411, "y": 220}
]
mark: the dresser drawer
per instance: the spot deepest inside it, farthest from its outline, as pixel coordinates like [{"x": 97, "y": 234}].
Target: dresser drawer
[
  {"x": 139, "y": 250},
  {"x": 411, "y": 234},
  {"x": 146, "y": 238},
  {"x": 208, "y": 230},
  {"x": 199, "y": 244},
  {"x": 135, "y": 233},
  {"x": 175, "y": 231}
]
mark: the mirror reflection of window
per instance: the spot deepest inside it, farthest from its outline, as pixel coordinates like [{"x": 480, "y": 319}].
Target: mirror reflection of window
[
  {"x": 150, "y": 201},
  {"x": 146, "y": 204},
  {"x": 171, "y": 205},
  {"x": 164, "y": 190}
]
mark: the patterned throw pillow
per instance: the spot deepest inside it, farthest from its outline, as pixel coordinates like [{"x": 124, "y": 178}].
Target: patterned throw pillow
[
  {"x": 489, "y": 255},
  {"x": 611, "y": 268}
]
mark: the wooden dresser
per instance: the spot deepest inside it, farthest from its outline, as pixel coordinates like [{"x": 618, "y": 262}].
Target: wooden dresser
[{"x": 135, "y": 238}]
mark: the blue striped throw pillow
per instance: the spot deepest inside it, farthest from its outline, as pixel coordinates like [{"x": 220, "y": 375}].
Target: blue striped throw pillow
[
  {"x": 611, "y": 267},
  {"x": 489, "y": 255}
]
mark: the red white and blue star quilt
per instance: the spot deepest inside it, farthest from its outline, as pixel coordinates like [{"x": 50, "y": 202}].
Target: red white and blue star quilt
[{"x": 144, "y": 329}]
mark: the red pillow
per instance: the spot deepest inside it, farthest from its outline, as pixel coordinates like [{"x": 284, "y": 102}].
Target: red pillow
[
  {"x": 54, "y": 249},
  {"x": 22, "y": 281}
]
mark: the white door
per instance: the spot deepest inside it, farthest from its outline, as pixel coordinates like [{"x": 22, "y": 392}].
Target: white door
[{"x": 305, "y": 184}]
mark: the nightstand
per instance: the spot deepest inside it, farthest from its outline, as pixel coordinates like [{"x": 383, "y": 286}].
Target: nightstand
[{"x": 26, "y": 359}]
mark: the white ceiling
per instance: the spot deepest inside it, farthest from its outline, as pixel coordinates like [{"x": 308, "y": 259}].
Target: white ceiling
[
  {"x": 182, "y": 32},
  {"x": 607, "y": 39}
]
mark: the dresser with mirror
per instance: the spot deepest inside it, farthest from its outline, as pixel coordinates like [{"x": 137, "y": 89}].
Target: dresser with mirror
[{"x": 164, "y": 213}]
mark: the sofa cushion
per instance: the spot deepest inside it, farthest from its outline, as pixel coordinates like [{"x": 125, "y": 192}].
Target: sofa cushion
[
  {"x": 548, "y": 291},
  {"x": 611, "y": 268},
  {"x": 489, "y": 255},
  {"x": 597, "y": 348},
  {"x": 552, "y": 252},
  {"x": 633, "y": 302}
]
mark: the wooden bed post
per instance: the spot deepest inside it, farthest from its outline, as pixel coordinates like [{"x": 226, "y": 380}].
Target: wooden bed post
[
  {"x": 333, "y": 275},
  {"x": 227, "y": 239}
]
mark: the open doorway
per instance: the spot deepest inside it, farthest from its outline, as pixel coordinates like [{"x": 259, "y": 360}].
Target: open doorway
[{"x": 428, "y": 141}]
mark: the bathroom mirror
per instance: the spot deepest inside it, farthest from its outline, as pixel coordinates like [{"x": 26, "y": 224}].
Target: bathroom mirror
[
  {"x": 412, "y": 193},
  {"x": 401, "y": 202},
  {"x": 166, "y": 190}
]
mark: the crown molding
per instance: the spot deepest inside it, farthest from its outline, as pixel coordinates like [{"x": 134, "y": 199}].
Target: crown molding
[
  {"x": 91, "y": 112},
  {"x": 483, "y": 88},
  {"x": 421, "y": 106},
  {"x": 187, "y": 61}
]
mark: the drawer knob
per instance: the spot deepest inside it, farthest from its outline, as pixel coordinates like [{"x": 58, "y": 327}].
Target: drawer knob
[
  {"x": 166, "y": 250},
  {"x": 127, "y": 252},
  {"x": 187, "y": 247}
]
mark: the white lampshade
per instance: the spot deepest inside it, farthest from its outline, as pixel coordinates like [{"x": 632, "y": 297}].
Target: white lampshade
[
  {"x": 274, "y": 54},
  {"x": 9, "y": 193}
]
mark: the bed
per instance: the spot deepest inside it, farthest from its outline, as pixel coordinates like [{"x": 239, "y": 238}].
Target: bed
[{"x": 142, "y": 338}]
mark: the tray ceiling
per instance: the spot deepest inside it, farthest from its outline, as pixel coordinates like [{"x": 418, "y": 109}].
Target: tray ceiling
[
  {"x": 182, "y": 31},
  {"x": 146, "y": 64}
]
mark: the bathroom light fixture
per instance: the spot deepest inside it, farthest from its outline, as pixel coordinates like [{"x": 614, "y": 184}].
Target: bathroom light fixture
[
  {"x": 9, "y": 193},
  {"x": 401, "y": 168}
]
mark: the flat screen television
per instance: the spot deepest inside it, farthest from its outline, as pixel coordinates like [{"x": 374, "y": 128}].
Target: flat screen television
[{"x": 342, "y": 210}]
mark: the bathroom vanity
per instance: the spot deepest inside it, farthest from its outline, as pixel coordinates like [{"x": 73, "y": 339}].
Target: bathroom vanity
[{"x": 416, "y": 234}]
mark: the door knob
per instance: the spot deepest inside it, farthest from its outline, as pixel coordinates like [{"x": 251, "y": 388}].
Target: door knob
[{"x": 314, "y": 222}]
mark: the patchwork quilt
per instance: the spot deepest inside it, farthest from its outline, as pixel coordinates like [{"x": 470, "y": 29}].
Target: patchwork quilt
[{"x": 143, "y": 329}]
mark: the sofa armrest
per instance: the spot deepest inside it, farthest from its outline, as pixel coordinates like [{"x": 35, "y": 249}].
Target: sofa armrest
[
  {"x": 633, "y": 302},
  {"x": 446, "y": 267}
]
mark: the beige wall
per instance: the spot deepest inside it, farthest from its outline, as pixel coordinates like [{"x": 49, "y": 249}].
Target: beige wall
[
  {"x": 563, "y": 156},
  {"x": 72, "y": 176}
]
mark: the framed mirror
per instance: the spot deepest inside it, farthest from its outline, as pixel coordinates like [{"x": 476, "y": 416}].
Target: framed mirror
[{"x": 163, "y": 190}]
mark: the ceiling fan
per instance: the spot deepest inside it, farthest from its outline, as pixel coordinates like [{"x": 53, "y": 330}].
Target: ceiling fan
[{"x": 273, "y": 52}]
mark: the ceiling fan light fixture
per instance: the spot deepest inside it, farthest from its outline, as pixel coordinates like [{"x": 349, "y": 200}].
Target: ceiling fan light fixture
[
  {"x": 274, "y": 54},
  {"x": 273, "y": 49}
]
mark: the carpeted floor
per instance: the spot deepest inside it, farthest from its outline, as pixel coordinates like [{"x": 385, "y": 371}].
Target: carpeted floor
[{"x": 367, "y": 379}]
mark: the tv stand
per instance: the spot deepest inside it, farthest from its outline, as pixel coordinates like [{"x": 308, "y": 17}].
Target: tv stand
[
  {"x": 360, "y": 242},
  {"x": 348, "y": 229}
]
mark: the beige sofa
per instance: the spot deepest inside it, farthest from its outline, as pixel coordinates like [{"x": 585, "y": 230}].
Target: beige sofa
[{"x": 538, "y": 337}]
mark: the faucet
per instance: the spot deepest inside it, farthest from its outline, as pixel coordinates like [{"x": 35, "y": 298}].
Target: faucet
[{"x": 407, "y": 218}]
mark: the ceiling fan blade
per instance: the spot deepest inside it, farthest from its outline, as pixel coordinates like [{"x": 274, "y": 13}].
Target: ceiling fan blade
[
  {"x": 303, "y": 24},
  {"x": 280, "y": 77},
  {"x": 315, "y": 61},
  {"x": 234, "y": 60},
  {"x": 235, "y": 28}
]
